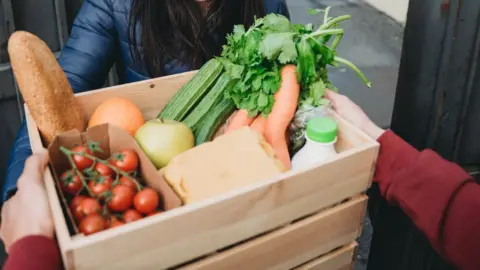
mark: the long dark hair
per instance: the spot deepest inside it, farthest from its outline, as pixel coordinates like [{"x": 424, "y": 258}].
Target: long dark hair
[{"x": 179, "y": 29}]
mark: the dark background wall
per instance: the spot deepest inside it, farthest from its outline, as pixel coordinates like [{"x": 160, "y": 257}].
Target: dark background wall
[{"x": 436, "y": 106}]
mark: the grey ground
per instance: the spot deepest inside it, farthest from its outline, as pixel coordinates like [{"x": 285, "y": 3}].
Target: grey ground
[{"x": 373, "y": 42}]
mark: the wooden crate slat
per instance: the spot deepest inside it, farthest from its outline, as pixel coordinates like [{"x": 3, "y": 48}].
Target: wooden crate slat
[
  {"x": 341, "y": 259},
  {"x": 295, "y": 243}
]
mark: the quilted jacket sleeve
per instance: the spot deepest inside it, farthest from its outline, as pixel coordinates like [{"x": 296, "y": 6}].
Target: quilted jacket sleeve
[
  {"x": 86, "y": 60},
  {"x": 88, "y": 54}
]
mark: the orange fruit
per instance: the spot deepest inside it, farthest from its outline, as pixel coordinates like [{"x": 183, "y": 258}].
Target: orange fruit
[{"x": 119, "y": 112}]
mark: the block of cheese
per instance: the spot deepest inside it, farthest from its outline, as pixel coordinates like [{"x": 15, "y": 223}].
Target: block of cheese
[{"x": 231, "y": 161}]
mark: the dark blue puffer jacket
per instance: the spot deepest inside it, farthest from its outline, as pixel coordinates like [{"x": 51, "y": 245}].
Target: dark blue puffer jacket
[{"x": 99, "y": 38}]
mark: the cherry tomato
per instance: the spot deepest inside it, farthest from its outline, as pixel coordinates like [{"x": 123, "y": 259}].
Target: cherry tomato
[
  {"x": 103, "y": 169},
  {"x": 76, "y": 201},
  {"x": 71, "y": 182},
  {"x": 101, "y": 185},
  {"x": 127, "y": 182},
  {"x": 93, "y": 223},
  {"x": 125, "y": 160},
  {"x": 115, "y": 222},
  {"x": 154, "y": 213},
  {"x": 146, "y": 201},
  {"x": 131, "y": 215},
  {"x": 82, "y": 162},
  {"x": 85, "y": 207},
  {"x": 75, "y": 207},
  {"x": 122, "y": 198}
]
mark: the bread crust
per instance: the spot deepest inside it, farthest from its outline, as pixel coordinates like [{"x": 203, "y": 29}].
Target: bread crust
[{"x": 44, "y": 86}]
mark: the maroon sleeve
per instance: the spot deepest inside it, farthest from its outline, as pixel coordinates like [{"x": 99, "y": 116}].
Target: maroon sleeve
[
  {"x": 33, "y": 252},
  {"x": 439, "y": 196}
]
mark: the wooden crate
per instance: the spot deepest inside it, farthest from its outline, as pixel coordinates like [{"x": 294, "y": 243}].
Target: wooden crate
[
  {"x": 340, "y": 259},
  {"x": 292, "y": 218},
  {"x": 295, "y": 243}
]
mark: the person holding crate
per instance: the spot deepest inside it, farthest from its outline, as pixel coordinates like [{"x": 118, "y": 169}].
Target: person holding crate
[
  {"x": 27, "y": 224},
  {"x": 144, "y": 39},
  {"x": 441, "y": 199}
]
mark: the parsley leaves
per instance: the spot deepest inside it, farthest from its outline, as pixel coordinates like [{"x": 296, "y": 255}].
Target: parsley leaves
[{"x": 256, "y": 56}]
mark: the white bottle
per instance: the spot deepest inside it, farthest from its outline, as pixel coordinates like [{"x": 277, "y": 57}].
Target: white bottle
[{"x": 321, "y": 136}]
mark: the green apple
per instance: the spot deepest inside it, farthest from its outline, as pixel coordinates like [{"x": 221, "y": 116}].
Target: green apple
[{"x": 162, "y": 140}]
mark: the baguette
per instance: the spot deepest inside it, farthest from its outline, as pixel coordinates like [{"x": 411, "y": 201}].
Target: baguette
[{"x": 44, "y": 86}]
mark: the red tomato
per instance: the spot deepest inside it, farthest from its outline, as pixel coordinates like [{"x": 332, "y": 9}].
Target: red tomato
[
  {"x": 71, "y": 182},
  {"x": 103, "y": 169},
  {"x": 146, "y": 201},
  {"x": 115, "y": 222},
  {"x": 127, "y": 182},
  {"x": 125, "y": 160},
  {"x": 154, "y": 213},
  {"x": 82, "y": 162},
  {"x": 122, "y": 198},
  {"x": 101, "y": 185},
  {"x": 75, "y": 206},
  {"x": 76, "y": 201},
  {"x": 131, "y": 215},
  {"x": 93, "y": 223},
  {"x": 85, "y": 207}
]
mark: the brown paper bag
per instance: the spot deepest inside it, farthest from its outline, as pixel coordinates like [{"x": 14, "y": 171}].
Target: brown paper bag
[{"x": 111, "y": 139}]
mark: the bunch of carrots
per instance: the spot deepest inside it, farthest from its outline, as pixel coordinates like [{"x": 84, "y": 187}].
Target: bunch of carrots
[{"x": 274, "y": 127}]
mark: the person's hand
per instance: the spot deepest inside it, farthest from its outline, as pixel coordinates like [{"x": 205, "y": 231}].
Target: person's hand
[
  {"x": 354, "y": 114},
  {"x": 27, "y": 213}
]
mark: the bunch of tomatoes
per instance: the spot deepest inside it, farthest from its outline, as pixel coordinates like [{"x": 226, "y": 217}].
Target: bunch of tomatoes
[{"x": 105, "y": 194}]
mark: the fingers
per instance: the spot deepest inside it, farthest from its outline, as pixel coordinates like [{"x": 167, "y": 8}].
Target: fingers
[
  {"x": 34, "y": 168},
  {"x": 334, "y": 98},
  {"x": 37, "y": 162},
  {"x": 3, "y": 229},
  {"x": 4, "y": 210},
  {"x": 43, "y": 160},
  {"x": 331, "y": 94}
]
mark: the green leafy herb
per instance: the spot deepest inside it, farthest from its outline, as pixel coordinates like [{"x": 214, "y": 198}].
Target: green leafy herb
[
  {"x": 275, "y": 23},
  {"x": 312, "y": 11},
  {"x": 279, "y": 46},
  {"x": 256, "y": 56}
]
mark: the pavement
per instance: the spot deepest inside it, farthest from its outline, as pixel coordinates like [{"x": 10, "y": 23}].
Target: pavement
[
  {"x": 396, "y": 9},
  {"x": 373, "y": 42}
]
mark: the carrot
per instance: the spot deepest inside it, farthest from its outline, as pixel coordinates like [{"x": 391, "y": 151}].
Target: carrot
[
  {"x": 259, "y": 125},
  {"x": 282, "y": 114},
  {"x": 239, "y": 120}
]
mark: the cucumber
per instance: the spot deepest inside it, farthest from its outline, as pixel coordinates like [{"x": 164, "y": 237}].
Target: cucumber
[
  {"x": 214, "y": 96},
  {"x": 190, "y": 94},
  {"x": 206, "y": 128}
]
